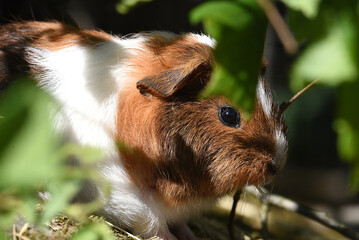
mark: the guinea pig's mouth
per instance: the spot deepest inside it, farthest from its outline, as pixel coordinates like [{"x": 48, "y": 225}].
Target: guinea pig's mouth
[{"x": 272, "y": 168}]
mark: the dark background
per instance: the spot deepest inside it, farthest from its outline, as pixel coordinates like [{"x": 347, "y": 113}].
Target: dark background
[{"x": 314, "y": 173}]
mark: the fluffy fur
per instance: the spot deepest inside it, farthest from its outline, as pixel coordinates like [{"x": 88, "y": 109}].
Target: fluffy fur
[{"x": 141, "y": 91}]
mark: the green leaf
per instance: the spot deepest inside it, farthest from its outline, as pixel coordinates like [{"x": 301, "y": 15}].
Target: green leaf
[
  {"x": 347, "y": 124},
  {"x": 308, "y": 7},
  {"x": 353, "y": 178},
  {"x": 347, "y": 127},
  {"x": 10, "y": 205},
  {"x": 239, "y": 29},
  {"x": 348, "y": 140},
  {"x": 124, "y": 6},
  {"x": 333, "y": 56},
  {"x": 333, "y": 59},
  {"x": 225, "y": 13},
  {"x": 62, "y": 193},
  {"x": 28, "y": 149},
  {"x": 85, "y": 154},
  {"x": 94, "y": 231},
  {"x": 29, "y": 155}
]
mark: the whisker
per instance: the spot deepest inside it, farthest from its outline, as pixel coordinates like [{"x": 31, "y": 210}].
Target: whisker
[
  {"x": 260, "y": 190},
  {"x": 243, "y": 205}
]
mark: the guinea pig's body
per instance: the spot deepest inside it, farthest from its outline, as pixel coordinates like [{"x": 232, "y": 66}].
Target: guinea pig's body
[{"x": 140, "y": 91}]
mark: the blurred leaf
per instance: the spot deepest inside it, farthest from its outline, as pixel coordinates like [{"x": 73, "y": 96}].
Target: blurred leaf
[
  {"x": 94, "y": 231},
  {"x": 239, "y": 29},
  {"x": 329, "y": 13},
  {"x": 61, "y": 195},
  {"x": 333, "y": 56},
  {"x": 354, "y": 179},
  {"x": 3, "y": 235},
  {"x": 9, "y": 203},
  {"x": 236, "y": 16},
  {"x": 81, "y": 211},
  {"x": 28, "y": 150},
  {"x": 333, "y": 59},
  {"x": 347, "y": 127},
  {"x": 348, "y": 140},
  {"x": 31, "y": 157},
  {"x": 85, "y": 154},
  {"x": 66, "y": 186},
  {"x": 308, "y": 7},
  {"x": 124, "y": 6}
]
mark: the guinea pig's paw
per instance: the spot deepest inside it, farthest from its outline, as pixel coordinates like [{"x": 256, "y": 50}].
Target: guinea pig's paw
[{"x": 182, "y": 232}]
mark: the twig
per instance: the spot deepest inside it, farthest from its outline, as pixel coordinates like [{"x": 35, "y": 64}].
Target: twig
[
  {"x": 24, "y": 228},
  {"x": 19, "y": 235},
  {"x": 123, "y": 231},
  {"x": 279, "y": 26},
  {"x": 285, "y": 105},
  {"x": 308, "y": 212},
  {"x": 13, "y": 232},
  {"x": 236, "y": 198},
  {"x": 264, "y": 212}
]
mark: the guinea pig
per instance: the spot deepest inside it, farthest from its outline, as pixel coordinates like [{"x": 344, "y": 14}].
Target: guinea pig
[{"x": 141, "y": 91}]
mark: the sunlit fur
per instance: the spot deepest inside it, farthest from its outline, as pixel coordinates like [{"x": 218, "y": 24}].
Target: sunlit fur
[
  {"x": 141, "y": 91},
  {"x": 270, "y": 109}
]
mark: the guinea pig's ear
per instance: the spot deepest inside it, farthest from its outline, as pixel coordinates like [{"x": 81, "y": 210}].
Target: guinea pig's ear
[{"x": 188, "y": 79}]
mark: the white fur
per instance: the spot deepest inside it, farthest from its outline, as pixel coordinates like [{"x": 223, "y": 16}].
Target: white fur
[
  {"x": 87, "y": 82},
  {"x": 141, "y": 210},
  {"x": 87, "y": 108},
  {"x": 205, "y": 40},
  {"x": 281, "y": 144},
  {"x": 264, "y": 98}
]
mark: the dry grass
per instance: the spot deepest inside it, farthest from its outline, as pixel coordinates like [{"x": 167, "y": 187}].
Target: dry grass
[
  {"x": 282, "y": 224},
  {"x": 63, "y": 228},
  {"x": 60, "y": 228}
]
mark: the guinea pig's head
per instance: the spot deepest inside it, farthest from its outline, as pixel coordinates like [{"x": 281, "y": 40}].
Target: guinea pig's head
[{"x": 190, "y": 148}]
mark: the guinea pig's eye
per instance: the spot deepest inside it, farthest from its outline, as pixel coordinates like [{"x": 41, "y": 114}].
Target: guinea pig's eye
[{"x": 229, "y": 116}]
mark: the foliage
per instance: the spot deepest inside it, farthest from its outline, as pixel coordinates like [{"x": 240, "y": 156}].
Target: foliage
[
  {"x": 31, "y": 157},
  {"x": 309, "y": 8},
  {"x": 329, "y": 30},
  {"x": 124, "y": 6},
  {"x": 239, "y": 29},
  {"x": 332, "y": 54}
]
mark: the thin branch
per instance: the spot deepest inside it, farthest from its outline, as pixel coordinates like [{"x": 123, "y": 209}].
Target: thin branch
[
  {"x": 123, "y": 231},
  {"x": 236, "y": 198},
  {"x": 264, "y": 219},
  {"x": 320, "y": 217},
  {"x": 13, "y": 232},
  {"x": 285, "y": 105},
  {"x": 23, "y": 229},
  {"x": 279, "y": 25},
  {"x": 19, "y": 235}
]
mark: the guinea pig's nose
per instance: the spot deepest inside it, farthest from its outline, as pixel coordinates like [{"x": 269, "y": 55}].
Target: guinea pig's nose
[{"x": 272, "y": 168}]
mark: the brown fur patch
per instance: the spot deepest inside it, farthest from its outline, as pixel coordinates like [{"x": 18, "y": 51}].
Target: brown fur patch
[
  {"x": 172, "y": 64},
  {"x": 200, "y": 149},
  {"x": 15, "y": 37},
  {"x": 48, "y": 35}
]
